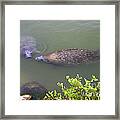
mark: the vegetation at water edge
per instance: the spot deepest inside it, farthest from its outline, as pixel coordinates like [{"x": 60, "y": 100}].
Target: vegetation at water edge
[{"x": 79, "y": 89}]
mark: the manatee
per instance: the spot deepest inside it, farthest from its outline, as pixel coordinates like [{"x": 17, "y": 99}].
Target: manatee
[
  {"x": 70, "y": 56},
  {"x": 27, "y": 46},
  {"x": 34, "y": 89}
]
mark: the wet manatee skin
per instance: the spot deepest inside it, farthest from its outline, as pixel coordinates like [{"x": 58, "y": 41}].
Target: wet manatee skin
[{"x": 72, "y": 56}]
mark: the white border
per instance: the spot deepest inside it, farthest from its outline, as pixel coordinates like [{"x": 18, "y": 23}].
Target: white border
[{"x": 15, "y": 13}]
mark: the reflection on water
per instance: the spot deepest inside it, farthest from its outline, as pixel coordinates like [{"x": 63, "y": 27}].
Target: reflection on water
[{"x": 55, "y": 35}]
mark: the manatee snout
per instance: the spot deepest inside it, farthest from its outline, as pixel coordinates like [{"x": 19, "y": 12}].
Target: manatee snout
[
  {"x": 27, "y": 54},
  {"x": 39, "y": 58},
  {"x": 27, "y": 46}
]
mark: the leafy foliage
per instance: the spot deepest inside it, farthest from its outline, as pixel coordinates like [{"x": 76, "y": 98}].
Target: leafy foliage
[{"x": 79, "y": 89}]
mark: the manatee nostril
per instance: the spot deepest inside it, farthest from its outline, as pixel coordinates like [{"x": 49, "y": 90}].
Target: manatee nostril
[
  {"x": 40, "y": 58},
  {"x": 36, "y": 58},
  {"x": 28, "y": 54}
]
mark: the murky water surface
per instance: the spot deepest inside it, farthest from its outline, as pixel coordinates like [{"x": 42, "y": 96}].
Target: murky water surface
[{"x": 55, "y": 35}]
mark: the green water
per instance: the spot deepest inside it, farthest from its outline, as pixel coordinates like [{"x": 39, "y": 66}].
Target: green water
[{"x": 57, "y": 35}]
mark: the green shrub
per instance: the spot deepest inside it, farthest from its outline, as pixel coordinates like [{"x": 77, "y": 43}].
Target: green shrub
[{"x": 79, "y": 89}]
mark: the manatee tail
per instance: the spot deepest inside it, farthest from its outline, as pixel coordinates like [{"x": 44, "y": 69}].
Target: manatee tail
[
  {"x": 96, "y": 56},
  {"x": 97, "y": 52}
]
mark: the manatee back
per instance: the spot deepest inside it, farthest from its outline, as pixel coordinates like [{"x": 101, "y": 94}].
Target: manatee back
[{"x": 73, "y": 56}]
